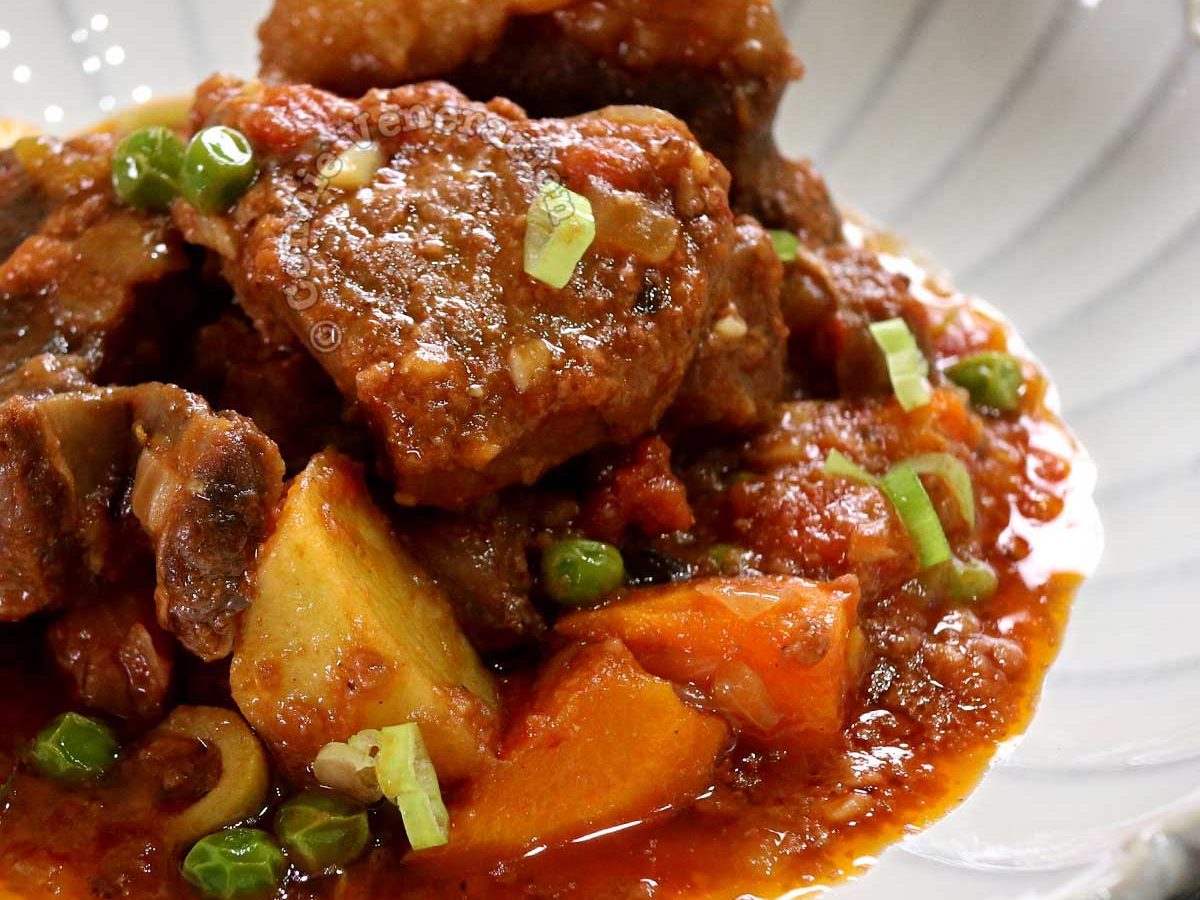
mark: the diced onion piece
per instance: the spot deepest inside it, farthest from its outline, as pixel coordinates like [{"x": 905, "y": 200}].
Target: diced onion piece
[
  {"x": 787, "y": 245},
  {"x": 354, "y": 167},
  {"x": 916, "y": 511},
  {"x": 952, "y": 471},
  {"x": 349, "y": 768},
  {"x": 408, "y": 779},
  {"x": 969, "y": 581},
  {"x": 906, "y": 365},
  {"x": 838, "y": 465},
  {"x": 559, "y": 229}
]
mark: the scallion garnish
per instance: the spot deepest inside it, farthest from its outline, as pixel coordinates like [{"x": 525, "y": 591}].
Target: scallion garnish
[
  {"x": 787, "y": 245},
  {"x": 839, "y": 465},
  {"x": 408, "y": 779},
  {"x": 952, "y": 471},
  {"x": 917, "y": 512},
  {"x": 559, "y": 229},
  {"x": 906, "y": 365}
]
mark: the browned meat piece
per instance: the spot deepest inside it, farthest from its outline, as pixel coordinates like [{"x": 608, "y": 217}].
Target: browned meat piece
[
  {"x": 413, "y": 295},
  {"x": 738, "y": 374},
  {"x": 352, "y": 46},
  {"x": 720, "y": 65},
  {"x": 115, "y": 655},
  {"x": 44, "y": 375},
  {"x": 201, "y": 485},
  {"x": 23, "y": 204},
  {"x": 109, "y": 284},
  {"x": 481, "y": 559},
  {"x": 830, "y": 297},
  {"x": 280, "y": 387}
]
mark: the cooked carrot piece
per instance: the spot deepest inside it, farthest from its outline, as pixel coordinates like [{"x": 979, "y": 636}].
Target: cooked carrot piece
[
  {"x": 601, "y": 743},
  {"x": 775, "y": 654}
]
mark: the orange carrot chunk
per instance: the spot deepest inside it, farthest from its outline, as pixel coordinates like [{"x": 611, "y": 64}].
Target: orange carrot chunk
[
  {"x": 602, "y": 743},
  {"x": 777, "y": 655}
]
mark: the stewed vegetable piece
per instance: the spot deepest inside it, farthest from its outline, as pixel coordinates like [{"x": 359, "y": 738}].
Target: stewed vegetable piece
[
  {"x": 145, "y": 167},
  {"x": 993, "y": 380},
  {"x": 321, "y": 830},
  {"x": 74, "y": 748},
  {"x": 577, "y": 572},
  {"x": 218, "y": 166},
  {"x": 237, "y": 864}
]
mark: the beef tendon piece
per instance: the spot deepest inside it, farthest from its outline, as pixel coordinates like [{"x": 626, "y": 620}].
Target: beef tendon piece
[
  {"x": 738, "y": 375},
  {"x": 108, "y": 284},
  {"x": 720, "y": 65},
  {"x": 200, "y": 488},
  {"x": 411, "y": 291}
]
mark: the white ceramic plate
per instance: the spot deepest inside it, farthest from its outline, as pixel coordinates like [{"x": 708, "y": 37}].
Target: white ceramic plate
[{"x": 1048, "y": 153}]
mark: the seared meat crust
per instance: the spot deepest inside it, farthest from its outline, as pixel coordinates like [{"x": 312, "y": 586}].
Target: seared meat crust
[
  {"x": 411, "y": 291},
  {"x": 84, "y": 469}
]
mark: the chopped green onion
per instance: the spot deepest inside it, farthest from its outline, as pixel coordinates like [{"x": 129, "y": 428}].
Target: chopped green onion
[
  {"x": 218, "y": 166},
  {"x": 906, "y": 365},
  {"x": 577, "y": 572},
  {"x": 972, "y": 581},
  {"x": 916, "y": 511},
  {"x": 74, "y": 748},
  {"x": 787, "y": 245},
  {"x": 952, "y": 471},
  {"x": 321, "y": 830},
  {"x": 240, "y": 862},
  {"x": 559, "y": 230},
  {"x": 408, "y": 779},
  {"x": 992, "y": 379},
  {"x": 145, "y": 168},
  {"x": 838, "y": 465}
]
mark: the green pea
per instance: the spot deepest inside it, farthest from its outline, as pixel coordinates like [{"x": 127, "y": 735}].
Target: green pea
[
  {"x": 145, "y": 168},
  {"x": 992, "y": 379},
  {"x": 321, "y": 830},
  {"x": 577, "y": 572},
  {"x": 727, "y": 559},
  {"x": 74, "y": 748},
  {"x": 218, "y": 166},
  {"x": 238, "y": 863}
]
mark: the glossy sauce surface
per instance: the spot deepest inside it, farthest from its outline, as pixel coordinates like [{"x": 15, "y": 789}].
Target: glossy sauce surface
[{"x": 940, "y": 687}]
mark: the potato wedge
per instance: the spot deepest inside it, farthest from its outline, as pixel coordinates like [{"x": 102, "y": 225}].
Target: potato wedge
[
  {"x": 602, "y": 743},
  {"x": 775, "y": 654},
  {"x": 346, "y": 632}
]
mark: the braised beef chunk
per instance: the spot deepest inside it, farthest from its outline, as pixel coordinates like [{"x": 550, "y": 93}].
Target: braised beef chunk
[
  {"x": 23, "y": 204},
  {"x": 96, "y": 279},
  {"x": 720, "y": 65},
  {"x": 481, "y": 558},
  {"x": 115, "y": 655},
  {"x": 82, "y": 468},
  {"x": 738, "y": 374},
  {"x": 279, "y": 386},
  {"x": 831, "y": 296},
  {"x": 412, "y": 294}
]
